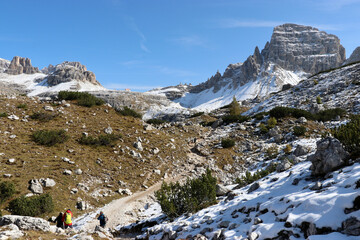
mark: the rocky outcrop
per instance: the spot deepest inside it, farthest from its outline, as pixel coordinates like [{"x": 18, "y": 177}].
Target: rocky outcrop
[
  {"x": 69, "y": 71},
  {"x": 4, "y": 64},
  {"x": 354, "y": 57},
  {"x": 25, "y": 222},
  {"x": 329, "y": 155},
  {"x": 304, "y": 48},
  {"x": 21, "y": 65}
]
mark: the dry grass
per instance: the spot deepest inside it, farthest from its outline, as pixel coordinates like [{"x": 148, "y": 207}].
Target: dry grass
[{"x": 35, "y": 161}]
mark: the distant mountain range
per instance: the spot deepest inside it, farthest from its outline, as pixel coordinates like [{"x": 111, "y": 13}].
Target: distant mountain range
[{"x": 294, "y": 53}]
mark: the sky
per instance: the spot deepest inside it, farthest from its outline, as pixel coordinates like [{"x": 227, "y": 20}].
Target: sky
[{"x": 143, "y": 44}]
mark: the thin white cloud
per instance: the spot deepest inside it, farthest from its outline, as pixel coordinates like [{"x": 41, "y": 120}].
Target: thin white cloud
[
  {"x": 131, "y": 63},
  {"x": 134, "y": 27},
  {"x": 120, "y": 86},
  {"x": 189, "y": 41}
]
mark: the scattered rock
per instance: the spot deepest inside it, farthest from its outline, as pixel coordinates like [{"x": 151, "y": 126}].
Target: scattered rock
[
  {"x": 48, "y": 108},
  {"x": 138, "y": 146},
  {"x": 35, "y": 186},
  {"x": 253, "y": 187},
  {"x": 67, "y": 172},
  {"x": 25, "y": 222},
  {"x": 124, "y": 191},
  {"x": 221, "y": 190},
  {"x": 78, "y": 171},
  {"x": 316, "y": 186},
  {"x": 329, "y": 155},
  {"x": 283, "y": 166},
  {"x": 351, "y": 226},
  {"x": 300, "y": 150},
  {"x": 108, "y": 130},
  {"x": 48, "y": 182}
]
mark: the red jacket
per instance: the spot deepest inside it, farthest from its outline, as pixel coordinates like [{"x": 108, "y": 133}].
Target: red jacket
[{"x": 63, "y": 218}]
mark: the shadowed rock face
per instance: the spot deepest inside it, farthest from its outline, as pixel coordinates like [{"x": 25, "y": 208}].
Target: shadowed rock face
[
  {"x": 292, "y": 47},
  {"x": 68, "y": 71},
  {"x": 21, "y": 65},
  {"x": 4, "y": 64}
]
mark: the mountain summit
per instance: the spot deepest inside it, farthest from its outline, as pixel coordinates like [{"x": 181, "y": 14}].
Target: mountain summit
[{"x": 294, "y": 52}]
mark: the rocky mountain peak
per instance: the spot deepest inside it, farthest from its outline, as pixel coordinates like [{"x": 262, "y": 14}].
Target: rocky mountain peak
[
  {"x": 21, "y": 65},
  {"x": 354, "y": 57},
  {"x": 68, "y": 71},
  {"x": 4, "y": 64},
  {"x": 304, "y": 48}
]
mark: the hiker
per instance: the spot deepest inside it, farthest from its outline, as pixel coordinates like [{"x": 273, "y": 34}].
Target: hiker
[
  {"x": 59, "y": 220},
  {"x": 67, "y": 219},
  {"x": 102, "y": 219}
]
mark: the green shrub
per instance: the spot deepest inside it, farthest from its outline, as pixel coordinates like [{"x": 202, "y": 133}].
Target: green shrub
[
  {"x": 126, "y": 111},
  {"x": 249, "y": 178},
  {"x": 234, "y": 107},
  {"x": 263, "y": 128},
  {"x": 318, "y": 100},
  {"x": 349, "y": 135},
  {"x": 198, "y": 114},
  {"x": 31, "y": 206},
  {"x": 101, "y": 140},
  {"x": 299, "y": 131},
  {"x": 282, "y": 112},
  {"x": 42, "y": 116},
  {"x": 207, "y": 124},
  {"x": 272, "y": 152},
  {"x": 7, "y": 189},
  {"x": 23, "y": 106},
  {"x": 316, "y": 82},
  {"x": 272, "y": 122},
  {"x": 49, "y": 137},
  {"x": 259, "y": 116},
  {"x": 227, "y": 143},
  {"x": 288, "y": 149},
  {"x": 194, "y": 195},
  {"x": 234, "y": 118},
  {"x": 83, "y": 98},
  {"x": 155, "y": 121},
  {"x": 3, "y": 114},
  {"x": 330, "y": 114}
]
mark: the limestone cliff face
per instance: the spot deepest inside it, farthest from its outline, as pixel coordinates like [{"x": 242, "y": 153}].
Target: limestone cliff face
[
  {"x": 294, "y": 48},
  {"x": 68, "y": 71},
  {"x": 21, "y": 65},
  {"x": 303, "y": 48}
]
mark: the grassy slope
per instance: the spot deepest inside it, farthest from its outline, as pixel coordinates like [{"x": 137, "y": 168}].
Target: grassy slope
[{"x": 34, "y": 161}]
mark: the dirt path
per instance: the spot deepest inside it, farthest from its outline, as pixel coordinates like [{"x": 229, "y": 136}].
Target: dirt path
[{"x": 123, "y": 211}]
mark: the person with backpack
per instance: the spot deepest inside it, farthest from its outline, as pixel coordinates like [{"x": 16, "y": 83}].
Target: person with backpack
[
  {"x": 103, "y": 219},
  {"x": 67, "y": 219},
  {"x": 59, "y": 220}
]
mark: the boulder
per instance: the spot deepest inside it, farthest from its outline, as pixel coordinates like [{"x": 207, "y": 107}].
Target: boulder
[
  {"x": 108, "y": 130},
  {"x": 221, "y": 190},
  {"x": 283, "y": 166},
  {"x": 35, "y": 186},
  {"x": 48, "y": 182},
  {"x": 10, "y": 231},
  {"x": 25, "y": 222},
  {"x": 138, "y": 146},
  {"x": 329, "y": 155},
  {"x": 300, "y": 150},
  {"x": 351, "y": 226},
  {"x": 253, "y": 187}
]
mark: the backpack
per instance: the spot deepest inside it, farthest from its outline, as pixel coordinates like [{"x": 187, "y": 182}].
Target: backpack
[{"x": 67, "y": 218}]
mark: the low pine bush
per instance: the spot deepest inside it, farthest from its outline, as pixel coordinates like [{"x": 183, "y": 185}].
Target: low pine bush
[
  {"x": 3, "y": 114},
  {"x": 42, "y": 116},
  {"x": 83, "y": 98},
  {"x": 349, "y": 135},
  {"x": 101, "y": 140},
  {"x": 263, "y": 128},
  {"x": 155, "y": 121},
  {"x": 299, "y": 131},
  {"x": 7, "y": 190},
  {"x": 49, "y": 137},
  {"x": 23, "y": 106},
  {"x": 272, "y": 122},
  {"x": 198, "y": 114},
  {"x": 176, "y": 199},
  {"x": 31, "y": 206},
  {"x": 318, "y": 100},
  {"x": 126, "y": 111},
  {"x": 227, "y": 143},
  {"x": 330, "y": 114},
  {"x": 249, "y": 178},
  {"x": 234, "y": 118},
  {"x": 272, "y": 152},
  {"x": 259, "y": 116}
]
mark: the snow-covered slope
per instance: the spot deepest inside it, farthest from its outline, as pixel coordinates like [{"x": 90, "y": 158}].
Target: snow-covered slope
[
  {"x": 271, "y": 80},
  {"x": 281, "y": 208},
  {"x": 36, "y": 84}
]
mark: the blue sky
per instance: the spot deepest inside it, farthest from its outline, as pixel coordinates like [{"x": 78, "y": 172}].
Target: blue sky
[{"x": 142, "y": 44}]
